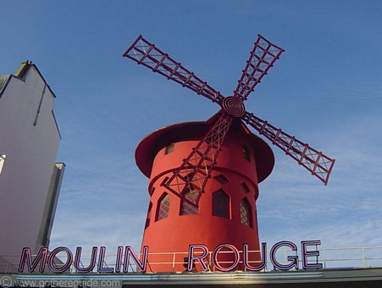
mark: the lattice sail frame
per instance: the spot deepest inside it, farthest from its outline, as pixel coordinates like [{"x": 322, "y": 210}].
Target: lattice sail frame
[
  {"x": 313, "y": 160},
  {"x": 145, "y": 53},
  {"x": 261, "y": 59},
  {"x": 195, "y": 170}
]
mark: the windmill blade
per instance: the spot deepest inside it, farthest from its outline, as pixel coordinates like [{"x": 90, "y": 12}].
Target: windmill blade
[
  {"x": 196, "y": 169},
  {"x": 261, "y": 59},
  {"x": 314, "y": 161},
  {"x": 145, "y": 53}
]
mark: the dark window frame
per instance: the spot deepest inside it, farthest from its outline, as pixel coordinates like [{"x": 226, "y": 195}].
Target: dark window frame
[
  {"x": 148, "y": 217},
  {"x": 164, "y": 197},
  {"x": 187, "y": 208},
  {"x": 246, "y": 206},
  {"x": 218, "y": 209}
]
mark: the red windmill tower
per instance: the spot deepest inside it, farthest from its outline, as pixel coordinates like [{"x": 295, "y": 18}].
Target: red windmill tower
[{"x": 204, "y": 175}]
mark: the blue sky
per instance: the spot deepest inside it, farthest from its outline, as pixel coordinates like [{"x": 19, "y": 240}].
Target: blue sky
[{"x": 326, "y": 90}]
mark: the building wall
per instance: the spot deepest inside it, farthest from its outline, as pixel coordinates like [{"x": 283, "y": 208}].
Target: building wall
[
  {"x": 29, "y": 137},
  {"x": 176, "y": 231},
  {"x": 51, "y": 204}
]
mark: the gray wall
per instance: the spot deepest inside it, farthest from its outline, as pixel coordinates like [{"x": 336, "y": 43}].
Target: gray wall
[{"x": 30, "y": 140}]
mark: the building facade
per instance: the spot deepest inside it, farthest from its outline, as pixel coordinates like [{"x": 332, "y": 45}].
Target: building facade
[{"x": 30, "y": 178}]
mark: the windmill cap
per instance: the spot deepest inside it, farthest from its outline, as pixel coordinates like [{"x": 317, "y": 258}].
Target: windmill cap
[{"x": 151, "y": 144}]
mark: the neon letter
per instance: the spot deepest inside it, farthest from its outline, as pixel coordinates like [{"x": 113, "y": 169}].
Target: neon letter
[
  {"x": 118, "y": 260},
  {"x": 293, "y": 260},
  {"x": 101, "y": 261},
  {"x": 53, "y": 267},
  {"x": 258, "y": 267},
  {"x": 26, "y": 256},
  {"x": 141, "y": 264},
  {"x": 200, "y": 258},
  {"x": 215, "y": 257},
  {"x": 77, "y": 260},
  {"x": 313, "y": 253}
]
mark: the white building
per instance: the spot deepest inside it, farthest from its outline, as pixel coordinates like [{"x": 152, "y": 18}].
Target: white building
[{"x": 30, "y": 178}]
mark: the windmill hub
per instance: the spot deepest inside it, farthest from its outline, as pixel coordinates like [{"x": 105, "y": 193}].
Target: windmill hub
[{"x": 234, "y": 106}]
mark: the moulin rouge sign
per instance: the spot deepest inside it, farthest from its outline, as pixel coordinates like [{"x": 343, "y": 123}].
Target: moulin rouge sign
[{"x": 197, "y": 253}]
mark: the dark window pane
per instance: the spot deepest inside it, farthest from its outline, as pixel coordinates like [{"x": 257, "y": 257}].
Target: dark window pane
[
  {"x": 245, "y": 213},
  {"x": 148, "y": 215},
  {"x": 220, "y": 204},
  {"x": 190, "y": 202},
  {"x": 163, "y": 207}
]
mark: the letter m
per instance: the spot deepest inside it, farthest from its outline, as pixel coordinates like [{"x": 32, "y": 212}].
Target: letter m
[{"x": 26, "y": 258}]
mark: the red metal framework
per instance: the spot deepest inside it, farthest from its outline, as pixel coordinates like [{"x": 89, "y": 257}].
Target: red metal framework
[
  {"x": 145, "y": 53},
  {"x": 261, "y": 59},
  {"x": 316, "y": 162},
  {"x": 195, "y": 170}
]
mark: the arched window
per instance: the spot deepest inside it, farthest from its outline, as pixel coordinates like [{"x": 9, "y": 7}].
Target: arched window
[
  {"x": 220, "y": 204},
  {"x": 163, "y": 207},
  {"x": 190, "y": 202},
  {"x": 245, "y": 213},
  {"x": 221, "y": 179},
  {"x": 148, "y": 215}
]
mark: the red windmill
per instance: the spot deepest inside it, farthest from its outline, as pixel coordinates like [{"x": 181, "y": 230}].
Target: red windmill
[{"x": 185, "y": 177}]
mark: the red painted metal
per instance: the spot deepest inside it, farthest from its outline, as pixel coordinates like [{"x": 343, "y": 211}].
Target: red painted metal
[
  {"x": 153, "y": 143},
  {"x": 262, "y": 57},
  {"x": 196, "y": 168},
  {"x": 315, "y": 161},
  {"x": 233, "y": 106},
  {"x": 176, "y": 231},
  {"x": 145, "y": 53}
]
